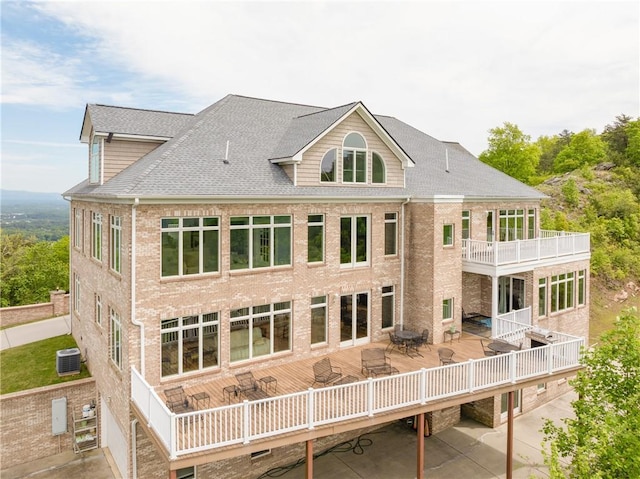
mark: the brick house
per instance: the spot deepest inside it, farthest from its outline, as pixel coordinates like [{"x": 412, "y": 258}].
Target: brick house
[{"x": 258, "y": 234}]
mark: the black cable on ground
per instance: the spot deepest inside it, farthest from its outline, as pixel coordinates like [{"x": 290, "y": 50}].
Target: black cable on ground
[{"x": 356, "y": 445}]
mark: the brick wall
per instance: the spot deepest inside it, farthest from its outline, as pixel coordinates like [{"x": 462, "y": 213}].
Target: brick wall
[
  {"x": 15, "y": 315},
  {"x": 25, "y": 419}
]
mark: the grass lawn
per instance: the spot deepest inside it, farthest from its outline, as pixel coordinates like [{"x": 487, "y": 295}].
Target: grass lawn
[{"x": 34, "y": 365}]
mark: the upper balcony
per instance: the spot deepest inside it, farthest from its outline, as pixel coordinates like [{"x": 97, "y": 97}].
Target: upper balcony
[
  {"x": 298, "y": 412},
  {"x": 502, "y": 257}
]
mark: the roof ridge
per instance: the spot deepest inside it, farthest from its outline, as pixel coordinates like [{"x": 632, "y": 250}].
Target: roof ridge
[
  {"x": 277, "y": 101},
  {"x": 141, "y": 109},
  {"x": 329, "y": 109}
]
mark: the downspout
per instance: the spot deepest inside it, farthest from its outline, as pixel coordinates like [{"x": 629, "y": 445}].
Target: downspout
[
  {"x": 402, "y": 262},
  {"x": 134, "y": 450},
  {"x": 134, "y": 321}
]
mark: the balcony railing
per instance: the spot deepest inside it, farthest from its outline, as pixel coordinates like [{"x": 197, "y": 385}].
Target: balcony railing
[
  {"x": 313, "y": 408},
  {"x": 551, "y": 244}
]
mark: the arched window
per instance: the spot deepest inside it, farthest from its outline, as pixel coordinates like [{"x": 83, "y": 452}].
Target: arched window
[
  {"x": 328, "y": 166},
  {"x": 378, "y": 172},
  {"x": 354, "y": 159}
]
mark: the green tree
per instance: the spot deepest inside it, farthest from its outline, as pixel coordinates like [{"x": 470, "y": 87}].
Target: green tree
[
  {"x": 602, "y": 440},
  {"x": 632, "y": 151},
  {"x": 511, "y": 152},
  {"x": 585, "y": 148},
  {"x": 616, "y": 135},
  {"x": 571, "y": 193}
]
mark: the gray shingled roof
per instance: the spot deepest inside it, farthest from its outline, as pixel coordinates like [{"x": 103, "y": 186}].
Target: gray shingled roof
[
  {"x": 131, "y": 121},
  {"x": 192, "y": 163}
]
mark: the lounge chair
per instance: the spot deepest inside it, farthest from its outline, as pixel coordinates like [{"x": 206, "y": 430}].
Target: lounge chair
[
  {"x": 324, "y": 373},
  {"x": 178, "y": 401}
]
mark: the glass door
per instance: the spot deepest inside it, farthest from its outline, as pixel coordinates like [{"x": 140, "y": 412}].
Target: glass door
[
  {"x": 354, "y": 319},
  {"x": 504, "y": 404},
  {"x": 510, "y": 294}
]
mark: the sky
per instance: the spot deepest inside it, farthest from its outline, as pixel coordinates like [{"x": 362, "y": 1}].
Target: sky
[{"x": 453, "y": 70}]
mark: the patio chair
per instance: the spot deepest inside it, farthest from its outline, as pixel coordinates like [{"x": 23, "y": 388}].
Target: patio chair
[
  {"x": 376, "y": 363},
  {"x": 446, "y": 355},
  {"x": 324, "y": 373},
  {"x": 178, "y": 401},
  {"x": 486, "y": 350},
  {"x": 424, "y": 340},
  {"x": 396, "y": 342}
]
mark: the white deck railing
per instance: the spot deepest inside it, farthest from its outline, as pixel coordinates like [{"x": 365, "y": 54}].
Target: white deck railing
[
  {"x": 250, "y": 420},
  {"x": 551, "y": 244}
]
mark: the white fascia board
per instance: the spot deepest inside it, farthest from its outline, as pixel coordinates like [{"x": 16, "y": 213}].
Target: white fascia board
[
  {"x": 236, "y": 200},
  {"x": 439, "y": 199}
]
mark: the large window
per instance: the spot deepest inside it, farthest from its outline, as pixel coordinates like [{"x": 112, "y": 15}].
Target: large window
[
  {"x": 190, "y": 246},
  {"x": 354, "y": 159},
  {"x": 511, "y": 225},
  {"x": 315, "y": 238},
  {"x": 354, "y": 240},
  {"x": 260, "y": 330},
  {"x": 96, "y": 235},
  {"x": 115, "y": 338},
  {"x": 562, "y": 292},
  {"x": 378, "y": 170},
  {"x": 390, "y": 233},
  {"x": 328, "y": 166},
  {"x": 115, "y": 243},
  {"x": 260, "y": 241},
  {"x": 95, "y": 160},
  {"x": 542, "y": 297},
  {"x": 189, "y": 343},
  {"x": 78, "y": 228},
  {"x": 319, "y": 320},
  {"x": 388, "y": 306}
]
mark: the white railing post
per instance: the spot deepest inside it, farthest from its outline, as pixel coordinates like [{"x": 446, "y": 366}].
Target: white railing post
[
  {"x": 512, "y": 366},
  {"x": 550, "y": 359},
  {"x": 472, "y": 375},
  {"x": 245, "y": 417},
  {"x": 370, "y": 396},
  {"x": 173, "y": 440},
  {"x": 423, "y": 386},
  {"x": 310, "y": 408}
]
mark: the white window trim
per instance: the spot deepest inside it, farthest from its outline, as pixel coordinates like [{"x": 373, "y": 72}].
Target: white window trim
[
  {"x": 321, "y": 224},
  {"x": 395, "y": 222},
  {"x": 115, "y": 244},
  {"x": 355, "y": 169},
  {"x": 324, "y": 305},
  {"x": 354, "y": 244},
  {"x": 180, "y": 229},
  {"x": 272, "y": 226},
  {"x": 115, "y": 340}
]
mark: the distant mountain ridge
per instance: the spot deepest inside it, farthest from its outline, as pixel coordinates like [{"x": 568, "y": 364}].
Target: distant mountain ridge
[{"x": 18, "y": 197}]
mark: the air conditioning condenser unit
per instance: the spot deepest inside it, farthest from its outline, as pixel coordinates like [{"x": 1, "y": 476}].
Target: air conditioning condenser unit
[{"x": 68, "y": 361}]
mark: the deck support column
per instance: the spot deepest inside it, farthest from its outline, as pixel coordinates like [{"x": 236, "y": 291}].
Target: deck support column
[
  {"x": 173, "y": 474},
  {"x": 510, "y": 435},
  {"x": 309, "y": 459},
  {"x": 420, "y": 449}
]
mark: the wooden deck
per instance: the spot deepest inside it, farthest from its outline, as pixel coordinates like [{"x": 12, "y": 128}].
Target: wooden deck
[{"x": 296, "y": 376}]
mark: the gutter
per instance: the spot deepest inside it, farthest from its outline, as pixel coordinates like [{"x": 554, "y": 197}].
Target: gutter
[{"x": 134, "y": 321}]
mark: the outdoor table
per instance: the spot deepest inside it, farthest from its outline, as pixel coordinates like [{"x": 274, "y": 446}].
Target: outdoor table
[
  {"x": 502, "y": 347},
  {"x": 451, "y": 335},
  {"x": 409, "y": 337}
]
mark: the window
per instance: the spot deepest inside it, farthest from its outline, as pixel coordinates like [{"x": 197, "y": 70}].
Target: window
[
  {"x": 98, "y": 307},
  {"x": 95, "y": 160},
  {"x": 115, "y": 243},
  {"x": 77, "y": 228},
  {"x": 511, "y": 225},
  {"x": 390, "y": 233},
  {"x": 542, "y": 297},
  {"x": 260, "y": 241},
  {"x": 531, "y": 223},
  {"x": 447, "y": 309},
  {"x": 562, "y": 290},
  {"x": 76, "y": 290},
  {"x": 186, "y": 473},
  {"x": 328, "y": 166},
  {"x": 315, "y": 238},
  {"x": 354, "y": 159},
  {"x": 189, "y": 343},
  {"x": 466, "y": 224},
  {"x": 190, "y": 246},
  {"x": 354, "y": 240},
  {"x": 582, "y": 287},
  {"x": 115, "y": 338},
  {"x": 96, "y": 235},
  {"x": 318, "y": 319},
  {"x": 490, "y": 234},
  {"x": 447, "y": 234},
  {"x": 378, "y": 171},
  {"x": 388, "y": 306},
  {"x": 260, "y": 330}
]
